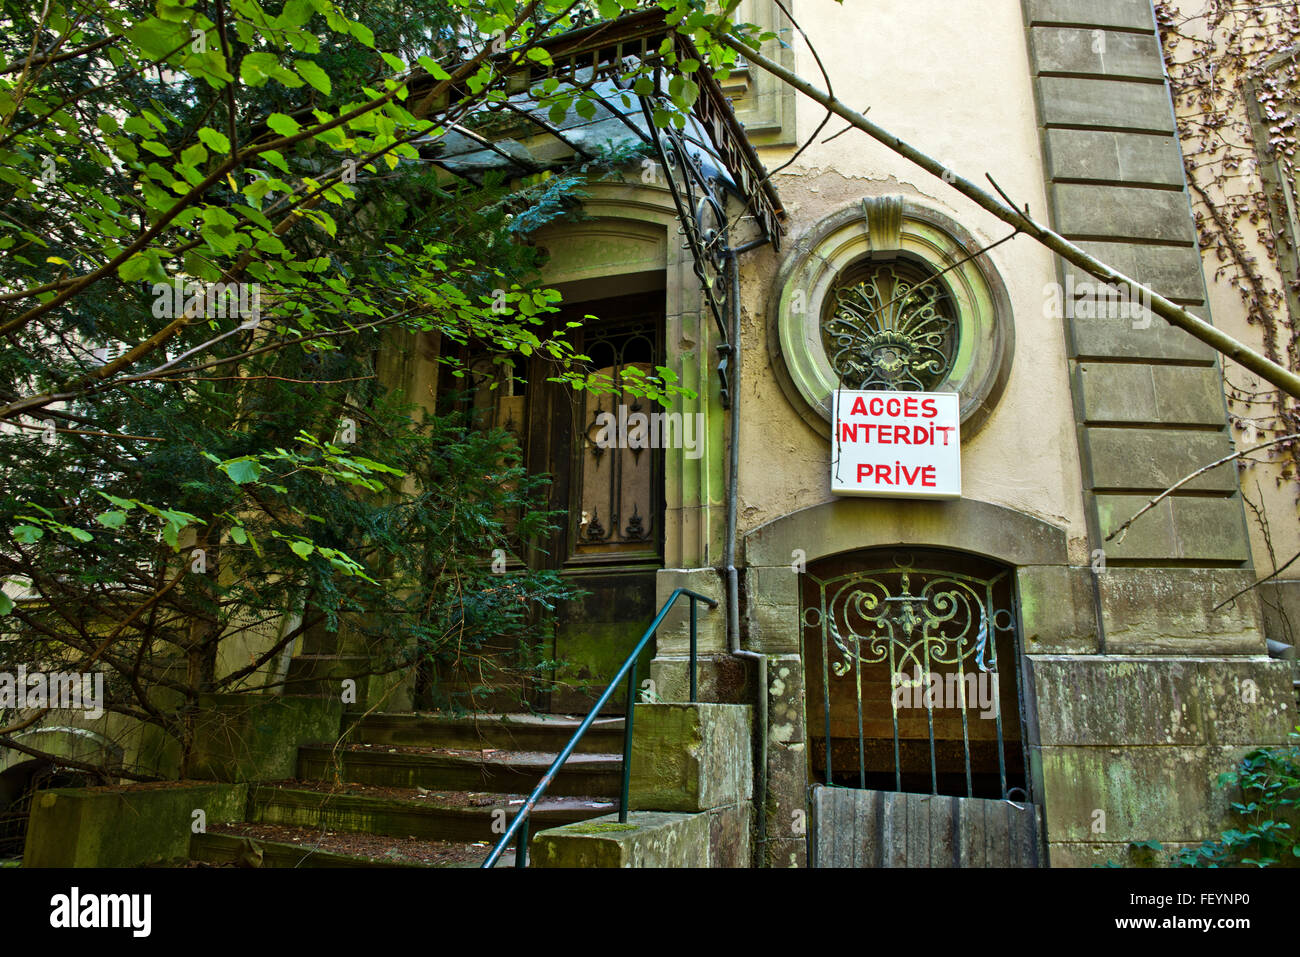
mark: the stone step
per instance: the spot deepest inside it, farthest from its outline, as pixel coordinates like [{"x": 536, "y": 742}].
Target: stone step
[
  {"x": 448, "y": 769},
  {"x": 515, "y": 732},
  {"x": 432, "y": 815},
  {"x": 259, "y": 845}
]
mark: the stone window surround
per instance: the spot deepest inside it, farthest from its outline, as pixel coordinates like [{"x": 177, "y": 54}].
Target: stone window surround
[{"x": 882, "y": 228}]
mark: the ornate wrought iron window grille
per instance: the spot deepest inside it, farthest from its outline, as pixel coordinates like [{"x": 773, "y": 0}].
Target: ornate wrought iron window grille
[{"x": 889, "y": 326}]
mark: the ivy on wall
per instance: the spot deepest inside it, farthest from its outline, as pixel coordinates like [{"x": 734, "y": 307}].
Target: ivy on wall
[{"x": 1234, "y": 70}]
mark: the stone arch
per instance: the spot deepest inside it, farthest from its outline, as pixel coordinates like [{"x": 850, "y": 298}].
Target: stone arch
[
  {"x": 1028, "y": 544},
  {"x": 76, "y": 744},
  {"x": 772, "y": 551},
  {"x": 848, "y": 524}
]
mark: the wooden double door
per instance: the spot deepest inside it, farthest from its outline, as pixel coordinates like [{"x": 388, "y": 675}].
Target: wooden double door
[{"x": 609, "y": 541}]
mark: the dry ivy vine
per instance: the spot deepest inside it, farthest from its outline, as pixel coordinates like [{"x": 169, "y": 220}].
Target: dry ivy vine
[{"x": 1234, "y": 69}]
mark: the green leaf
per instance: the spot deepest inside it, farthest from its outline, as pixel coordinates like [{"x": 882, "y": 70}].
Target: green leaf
[
  {"x": 257, "y": 68},
  {"x": 194, "y": 155},
  {"x": 28, "y": 534},
  {"x": 156, "y": 38},
  {"x": 302, "y": 549},
  {"x": 242, "y": 471},
  {"x": 6, "y": 604},
  {"x": 238, "y": 535},
  {"x": 283, "y": 124},
  {"x": 113, "y": 519},
  {"x": 296, "y": 13},
  {"x": 314, "y": 75},
  {"x": 217, "y": 142},
  {"x": 363, "y": 33},
  {"x": 433, "y": 69},
  {"x": 140, "y": 266}
]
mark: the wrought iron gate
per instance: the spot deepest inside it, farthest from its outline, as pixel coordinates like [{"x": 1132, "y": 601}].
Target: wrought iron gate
[{"x": 911, "y": 664}]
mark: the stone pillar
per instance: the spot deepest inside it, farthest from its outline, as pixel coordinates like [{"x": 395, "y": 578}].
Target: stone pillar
[
  {"x": 1132, "y": 738},
  {"x": 1148, "y": 397}
]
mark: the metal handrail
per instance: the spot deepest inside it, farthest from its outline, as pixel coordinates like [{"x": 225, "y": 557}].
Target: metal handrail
[{"x": 518, "y": 828}]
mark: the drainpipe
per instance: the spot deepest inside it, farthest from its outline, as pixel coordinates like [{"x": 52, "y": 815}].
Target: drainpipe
[{"x": 733, "y": 577}]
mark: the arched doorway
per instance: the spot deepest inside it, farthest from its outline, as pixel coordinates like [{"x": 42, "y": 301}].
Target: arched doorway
[
  {"x": 917, "y": 756},
  {"x": 912, "y": 672}
]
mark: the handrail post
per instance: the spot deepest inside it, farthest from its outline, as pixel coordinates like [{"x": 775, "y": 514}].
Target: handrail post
[
  {"x": 521, "y": 845},
  {"x": 518, "y": 827},
  {"x": 627, "y": 744},
  {"x": 694, "y": 689}
]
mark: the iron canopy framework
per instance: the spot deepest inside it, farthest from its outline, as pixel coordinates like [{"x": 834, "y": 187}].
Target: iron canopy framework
[{"x": 701, "y": 162}]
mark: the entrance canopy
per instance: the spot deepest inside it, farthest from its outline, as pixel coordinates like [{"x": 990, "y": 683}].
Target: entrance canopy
[{"x": 702, "y": 161}]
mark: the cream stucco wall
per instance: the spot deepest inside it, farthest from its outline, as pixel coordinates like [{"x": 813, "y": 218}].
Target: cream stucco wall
[{"x": 952, "y": 80}]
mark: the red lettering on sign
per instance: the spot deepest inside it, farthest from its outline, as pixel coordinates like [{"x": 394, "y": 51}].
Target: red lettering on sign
[
  {"x": 877, "y": 405},
  {"x": 846, "y": 435},
  {"x": 909, "y": 407},
  {"x": 928, "y": 408},
  {"x": 928, "y": 477},
  {"x": 859, "y": 407},
  {"x": 865, "y": 472},
  {"x": 902, "y": 435}
]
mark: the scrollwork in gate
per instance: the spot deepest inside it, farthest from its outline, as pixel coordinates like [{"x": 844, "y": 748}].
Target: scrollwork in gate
[{"x": 872, "y": 618}]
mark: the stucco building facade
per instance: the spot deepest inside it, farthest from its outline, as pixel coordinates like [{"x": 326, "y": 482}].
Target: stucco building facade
[{"x": 1129, "y": 679}]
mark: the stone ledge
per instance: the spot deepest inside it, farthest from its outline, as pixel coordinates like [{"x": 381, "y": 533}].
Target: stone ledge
[
  {"x": 1080, "y": 50},
  {"x": 674, "y": 634},
  {"x": 1122, "y": 212},
  {"x": 1156, "y": 459},
  {"x": 1103, "y": 156},
  {"x": 719, "y": 678},
  {"x": 1121, "y": 794},
  {"x": 124, "y": 827},
  {"x": 1124, "y": 104},
  {"x": 1124, "y": 14},
  {"x": 1121, "y": 701},
  {"x": 1125, "y": 392},
  {"x": 691, "y": 757},
  {"x": 719, "y": 837},
  {"x": 1180, "y": 528},
  {"x": 1157, "y": 611},
  {"x": 1173, "y": 271}
]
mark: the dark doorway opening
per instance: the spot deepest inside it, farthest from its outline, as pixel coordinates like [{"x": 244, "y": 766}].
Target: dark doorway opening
[{"x": 912, "y": 672}]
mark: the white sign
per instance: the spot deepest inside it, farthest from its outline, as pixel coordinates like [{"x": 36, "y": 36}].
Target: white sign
[{"x": 896, "y": 444}]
